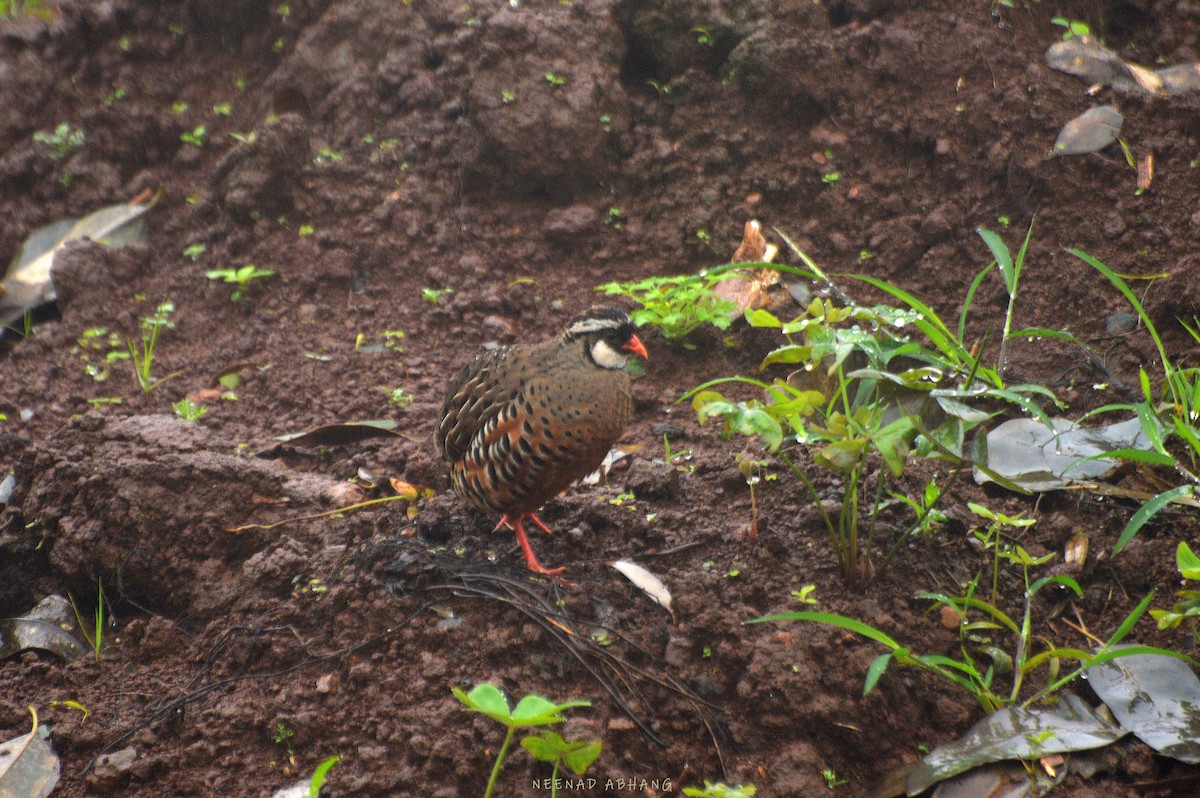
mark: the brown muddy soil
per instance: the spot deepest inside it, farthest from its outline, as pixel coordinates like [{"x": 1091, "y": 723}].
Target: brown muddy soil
[{"x": 369, "y": 149}]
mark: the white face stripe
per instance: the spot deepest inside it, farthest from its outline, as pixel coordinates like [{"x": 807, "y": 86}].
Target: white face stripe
[
  {"x": 607, "y": 357},
  {"x": 584, "y": 326}
]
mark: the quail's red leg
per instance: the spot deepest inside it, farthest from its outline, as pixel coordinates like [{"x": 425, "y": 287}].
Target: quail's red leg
[
  {"x": 538, "y": 523},
  {"x": 531, "y": 558}
]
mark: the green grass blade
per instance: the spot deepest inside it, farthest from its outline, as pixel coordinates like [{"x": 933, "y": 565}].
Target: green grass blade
[
  {"x": 831, "y": 619},
  {"x": 1002, "y": 257},
  {"x": 1148, "y": 511},
  {"x": 970, "y": 298}
]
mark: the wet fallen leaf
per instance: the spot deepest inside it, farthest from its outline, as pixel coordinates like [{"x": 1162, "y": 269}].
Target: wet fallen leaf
[
  {"x": 50, "y": 626},
  {"x": 1016, "y": 733},
  {"x": 29, "y": 768},
  {"x": 1029, "y": 454},
  {"x": 1154, "y": 696},
  {"x": 1086, "y": 58},
  {"x": 647, "y": 582},
  {"x": 28, "y": 284},
  {"x": 341, "y": 434},
  {"x": 1091, "y": 131}
]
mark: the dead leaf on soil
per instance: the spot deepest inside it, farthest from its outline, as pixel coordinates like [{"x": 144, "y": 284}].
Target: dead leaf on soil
[
  {"x": 1154, "y": 696},
  {"x": 1014, "y": 733},
  {"x": 1026, "y": 452},
  {"x": 29, "y": 768},
  {"x": 341, "y": 434},
  {"x": 27, "y": 284},
  {"x": 750, "y": 289},
  {"x": 50, "y": 626},
  {"x": 647, "y": 582},
  {"x": 1091, "y": 131},
  {"x": 1097, "y": 65}
]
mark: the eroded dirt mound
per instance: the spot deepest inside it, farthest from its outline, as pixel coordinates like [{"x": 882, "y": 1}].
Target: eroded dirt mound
[{"x": 375, "y": 154}]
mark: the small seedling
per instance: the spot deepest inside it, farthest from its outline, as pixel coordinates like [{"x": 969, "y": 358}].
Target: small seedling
[
  {"x": 832, "y": 779},
  {"x": 829, "y": 178},
  {"x": 195, "y": 136},
  {"x": 531, "y": 711},
  {"x": 507, "y": 96},
  {"x": 399, "y": 397},
  {"x": 1188, "y": 606},
  {"x": 62, "y": 142},
  {"x": 660, "y": 87},
  {"x": 305, "y": 230},
  {"x": 142, "y": 354},
  {"x": 115, "y": 97},
  {"x": 283, "y": 737},
  {"x": 241, "y": 277},
  {"x": 548, "y": 746},
  {"x": 194, "y": 251},
  {"x": 720, "y": 790},
  {"x": 1074, "y": 27},
  {"x": 96, "y": 638},
  {"x": 326, "y": 155},
  {"x": 223, "y": 109},
  {"x": 434, "y": 295},
  {"x": 606, "y": 122},
  {"x": 555, "y": 80},
  {"x": 187, "y": 409},
  {"x": 615, "y": 218}
]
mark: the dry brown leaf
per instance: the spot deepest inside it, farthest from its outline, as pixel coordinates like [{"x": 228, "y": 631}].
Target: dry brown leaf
[
  {"x": 753, "y": 289},
  {"x": 647, "y": 582},
  {"x": 1145, "y": 169}
]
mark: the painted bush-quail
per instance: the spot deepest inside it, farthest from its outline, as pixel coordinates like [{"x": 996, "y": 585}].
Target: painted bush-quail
[{"x": 521, "y": 423}]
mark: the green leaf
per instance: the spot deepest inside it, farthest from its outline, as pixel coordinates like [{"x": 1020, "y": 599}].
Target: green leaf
[
  {"x": 841, "y": 456},
  {"x": 533, "y": 710},
  {"x": 1189, "y": 563},
  {"x": 791, "y": 353},
  {"x": 1148, "y": 511},
  {"x": 762, "y": 318},
  {"x": 581, "y": 754},
  {"x": 488, "y": 699},
  {"x": 830, "y": 619},
  {"x": 876, "y": 669},
  {"x": 1003, "y": 258},
  {"x": 546, "y": 746},
  {"x": 318, "y": 777}
]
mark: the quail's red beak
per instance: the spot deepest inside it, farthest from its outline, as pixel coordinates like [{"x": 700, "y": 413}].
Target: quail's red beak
[{"x": 636, "y": 346}]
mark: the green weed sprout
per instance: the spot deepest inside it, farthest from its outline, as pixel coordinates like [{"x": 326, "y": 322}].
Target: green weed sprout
[
  {"x": 318, "y": 777},
  {"x": 720, "y": 790},
  {"x": 1189, "y": 606},
  {"x": 974, "y": 675},
  {"x": 195, "y": 136},
  {"x": 677, "y": 306},
  {"x": 241, "y": 277},
  {"x": 531, "y": 711},
  {"x": 62, "y": 142},
  {"x": 991, "y": 537},
  {"x": 1010, "y": 270},
  {"x": 95, "y": 640},
  {"x": 141, "y": 352},
  {"x": 434, "y": 295},
  {"x": 548, "y": 746},
  {"x": 1174, "y": 412},
  {"x": 187, "y": 409}
]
